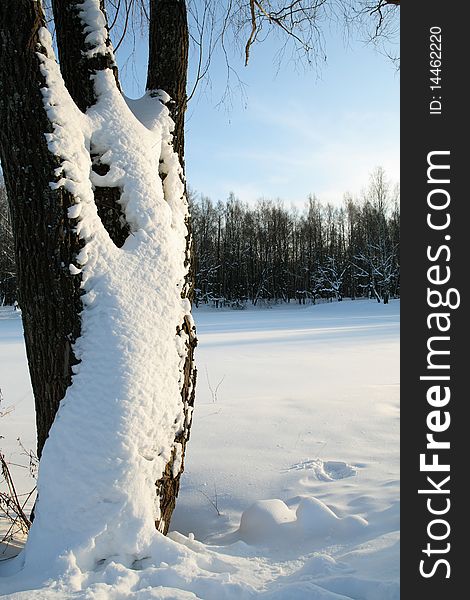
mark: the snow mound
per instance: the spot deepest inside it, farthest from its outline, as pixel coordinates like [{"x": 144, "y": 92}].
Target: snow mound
[
  {"x": 316, "y": 519},
  {"x": 268, "y": 521},
  {"x": 265, "y": 519}
]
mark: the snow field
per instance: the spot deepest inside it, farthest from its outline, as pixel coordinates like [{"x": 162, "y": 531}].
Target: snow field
[{"x": 294, "y": 443}]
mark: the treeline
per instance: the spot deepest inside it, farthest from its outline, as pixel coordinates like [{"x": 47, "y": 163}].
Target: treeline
[
  {"x": 268, "y": 252},
  {"x": 271, "y": 253}
]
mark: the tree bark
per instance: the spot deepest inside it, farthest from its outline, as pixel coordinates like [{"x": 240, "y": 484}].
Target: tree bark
[
  {"x": 168, "y": 60},
  {"x": 76, "y": 67},
  {"x": 45, "y": 241}
]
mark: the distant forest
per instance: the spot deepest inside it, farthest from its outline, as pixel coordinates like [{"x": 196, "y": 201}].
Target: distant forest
[
  {"x": 268, "y": 252},
  {"x": 272, "y": 253}
]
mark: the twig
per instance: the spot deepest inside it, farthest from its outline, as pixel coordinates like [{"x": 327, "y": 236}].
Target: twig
[
  {"x": 254, "y": 27},
  {"x": 215, "y": 503},
  {"x": 212, "y": 391},
  {"x": 11, "y": 499}
]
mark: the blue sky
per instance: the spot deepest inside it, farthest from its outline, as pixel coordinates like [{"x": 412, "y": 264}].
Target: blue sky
[{"x": 294, "y": 131}]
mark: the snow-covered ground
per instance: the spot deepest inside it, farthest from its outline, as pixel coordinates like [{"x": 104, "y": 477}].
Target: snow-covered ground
[{"x": 291, "y": 488}]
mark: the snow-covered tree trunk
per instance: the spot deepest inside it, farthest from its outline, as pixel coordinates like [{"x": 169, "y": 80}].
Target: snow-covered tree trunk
[
  {"x": 103, "y": 249},
  {"x": 167, "y": 70}
]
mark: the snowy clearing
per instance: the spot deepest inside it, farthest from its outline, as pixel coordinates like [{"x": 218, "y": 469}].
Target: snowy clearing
[{"x": 291, "y": 487}]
